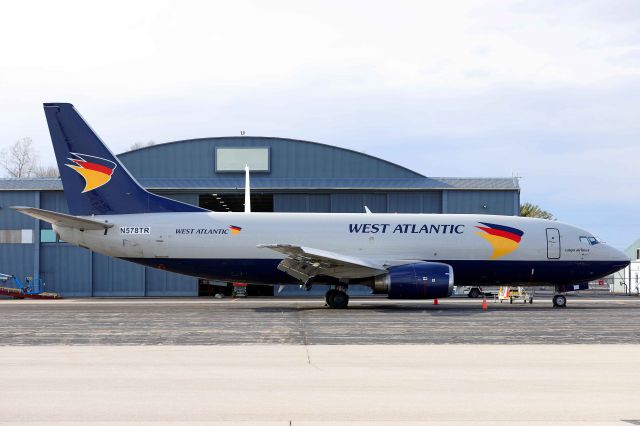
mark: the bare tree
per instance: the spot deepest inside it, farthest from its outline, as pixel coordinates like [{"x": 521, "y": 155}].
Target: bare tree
[
  {"x": 46, "y": 172},
  {"x": 139, "y": 145},
  {"x": 20, "y": 160}
]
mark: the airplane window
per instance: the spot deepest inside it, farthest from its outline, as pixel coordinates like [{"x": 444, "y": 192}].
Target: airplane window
[{"x": 592, "y": 241}]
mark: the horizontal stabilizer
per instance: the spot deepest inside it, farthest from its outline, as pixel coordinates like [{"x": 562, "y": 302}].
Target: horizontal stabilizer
[{"x": 61, "y": 219}]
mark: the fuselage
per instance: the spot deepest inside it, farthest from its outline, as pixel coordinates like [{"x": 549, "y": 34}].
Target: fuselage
[{"x": 225, "y": 246}]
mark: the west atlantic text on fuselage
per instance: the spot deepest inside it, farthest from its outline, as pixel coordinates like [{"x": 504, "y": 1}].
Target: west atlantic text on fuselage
[
  {"x": 202, "y": 231},
  {"x": 404, "y": 228}
]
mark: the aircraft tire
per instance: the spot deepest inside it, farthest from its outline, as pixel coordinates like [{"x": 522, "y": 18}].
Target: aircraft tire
[
  {"x": 474, "y": 293},
  {"x": 327, "y": 296},
  {"x": 337, "y": 299},
  {"x": 559, "y": 301}
]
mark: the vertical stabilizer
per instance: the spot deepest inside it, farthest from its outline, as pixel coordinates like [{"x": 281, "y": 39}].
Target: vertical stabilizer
[{"x": 94, "y": 180}]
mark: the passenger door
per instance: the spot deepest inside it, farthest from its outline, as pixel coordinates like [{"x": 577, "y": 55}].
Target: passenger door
[{"x": 553, "y": 243}]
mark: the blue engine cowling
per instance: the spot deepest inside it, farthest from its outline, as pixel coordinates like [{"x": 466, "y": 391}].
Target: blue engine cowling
[{"x": 423, "y": 280}]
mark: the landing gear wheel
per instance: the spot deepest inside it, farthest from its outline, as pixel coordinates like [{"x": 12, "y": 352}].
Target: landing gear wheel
[
  {"x": 474, "y": 293},
  {"x": 559, "y": 301},
  {"x": 327, "y": 296},
  {"x": 337, "y": 299}
]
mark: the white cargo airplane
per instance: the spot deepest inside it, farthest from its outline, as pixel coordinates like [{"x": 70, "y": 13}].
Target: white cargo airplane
[{"x": 406, "y": 256}]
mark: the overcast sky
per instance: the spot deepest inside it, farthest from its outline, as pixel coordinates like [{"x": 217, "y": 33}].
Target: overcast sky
[{"x": 547, "y": 90}]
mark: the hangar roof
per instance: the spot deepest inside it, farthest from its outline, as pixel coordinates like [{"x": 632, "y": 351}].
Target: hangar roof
[
  {"x": 293, "y": 165},
  {"x": 264, "y": 183},
  {"x": 631, "y": 250},
  {"x": 289, "y": 158}
]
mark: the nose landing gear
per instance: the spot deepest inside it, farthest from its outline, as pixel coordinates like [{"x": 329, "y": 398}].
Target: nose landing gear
[{"x": 559, "y": 301}]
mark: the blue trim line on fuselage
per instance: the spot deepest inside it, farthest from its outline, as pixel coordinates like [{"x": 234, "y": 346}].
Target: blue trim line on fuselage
[{"x": 465, "y": 272}]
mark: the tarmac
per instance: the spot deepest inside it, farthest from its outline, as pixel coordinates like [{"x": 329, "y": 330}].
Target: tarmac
[
  {"x": 294, "y": 362},
  {"x": 367, "y": 321}
]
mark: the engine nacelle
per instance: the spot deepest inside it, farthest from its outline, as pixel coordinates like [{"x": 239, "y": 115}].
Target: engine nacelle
[{"x": 423, "y": 280}]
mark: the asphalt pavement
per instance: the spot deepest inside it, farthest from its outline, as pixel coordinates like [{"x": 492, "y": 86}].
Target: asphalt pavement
[{"x": 610, "y": 320}]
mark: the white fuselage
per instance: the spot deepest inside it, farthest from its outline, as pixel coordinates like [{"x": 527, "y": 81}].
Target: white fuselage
[{"x": 388, "y": 239}]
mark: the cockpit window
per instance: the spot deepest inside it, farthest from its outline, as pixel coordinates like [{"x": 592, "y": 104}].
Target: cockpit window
[{"x": 592, "y": 241}]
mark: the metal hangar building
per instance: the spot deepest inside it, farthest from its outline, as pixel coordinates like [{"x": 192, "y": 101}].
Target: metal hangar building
[{"x": 287, "y": 175}]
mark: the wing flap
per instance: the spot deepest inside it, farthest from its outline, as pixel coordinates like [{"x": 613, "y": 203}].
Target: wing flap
[
  {"x": 304, "y": 263},
  {"x": 61, "y": 219}
]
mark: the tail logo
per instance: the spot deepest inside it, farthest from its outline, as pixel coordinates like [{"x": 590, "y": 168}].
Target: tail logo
[
  {"x": 96, "y": 171},
  {"x": 235, "y": 230},
  {"x": 503, "y": 239}
]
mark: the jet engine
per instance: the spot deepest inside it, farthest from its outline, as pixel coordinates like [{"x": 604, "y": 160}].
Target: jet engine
[{"x": 422, "y": 280}]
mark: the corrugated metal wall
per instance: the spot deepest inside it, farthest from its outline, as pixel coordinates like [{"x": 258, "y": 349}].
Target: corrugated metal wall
[
  {"x": 77, "y": 272},
  {"x": 354, "y": 202},
  {"x": 415, "y": 202},
  {"x": 115, "y": 277},
  {"x": 483, "y": 202},
  {"x": 16, "y": 259},
  {"x": 66, "y": 269},
  {"x": 54, "y": 201},
  {"x": 161, "y": 283},
  {"x": 9, "y": 218},
  {"x": 288, "y": 158}
]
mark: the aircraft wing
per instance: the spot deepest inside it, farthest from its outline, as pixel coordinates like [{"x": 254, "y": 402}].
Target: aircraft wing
[
  {"x": 306, "y": 262},
  {"x": 62, "y": 219}
]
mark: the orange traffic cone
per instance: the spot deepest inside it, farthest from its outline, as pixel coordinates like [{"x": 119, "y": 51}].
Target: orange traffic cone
[
  {"x": 435, "y": 301},
  {"x": 484, "y": 304}
]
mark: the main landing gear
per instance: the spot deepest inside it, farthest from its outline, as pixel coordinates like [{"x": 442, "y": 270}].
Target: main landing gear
[
  {"x": 559, "y": 301},
  {"x": 337, "y": 298}
]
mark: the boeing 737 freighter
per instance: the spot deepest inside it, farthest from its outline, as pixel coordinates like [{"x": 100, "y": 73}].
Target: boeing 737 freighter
[{"x": 406, "y": 256}]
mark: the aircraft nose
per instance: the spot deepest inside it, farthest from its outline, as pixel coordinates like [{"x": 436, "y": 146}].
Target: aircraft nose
[{"x": 619, "y": 255}]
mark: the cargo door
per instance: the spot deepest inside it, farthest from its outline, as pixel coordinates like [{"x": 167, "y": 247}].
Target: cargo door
[
  {"x": 553, "y": 243},
  {"x": 161, "y": 246},
  {"x": 157, "y": 245}
]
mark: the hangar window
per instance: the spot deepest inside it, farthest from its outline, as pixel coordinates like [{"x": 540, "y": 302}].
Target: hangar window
[
  {"x": 16, "y": 236},
  {"x": 234, "y": 159},
  {"x": 49, "y": 236}
]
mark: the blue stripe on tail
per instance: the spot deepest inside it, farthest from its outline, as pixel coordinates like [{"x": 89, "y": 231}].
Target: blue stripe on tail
[{"x": 94, "y": 180}]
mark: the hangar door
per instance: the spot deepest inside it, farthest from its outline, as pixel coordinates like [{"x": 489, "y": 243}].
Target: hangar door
[{"x": 553, "y": 243}]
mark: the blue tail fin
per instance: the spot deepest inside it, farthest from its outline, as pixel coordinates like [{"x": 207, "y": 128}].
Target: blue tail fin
[{"x": 94, "y": 180}]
